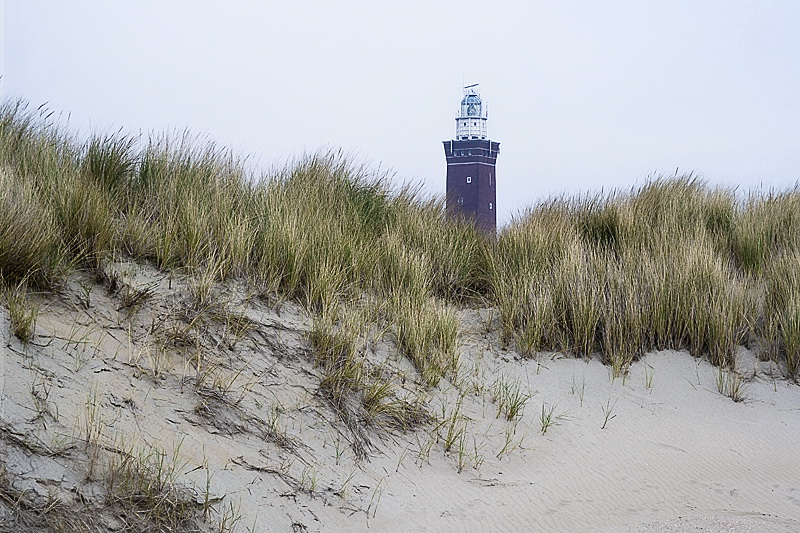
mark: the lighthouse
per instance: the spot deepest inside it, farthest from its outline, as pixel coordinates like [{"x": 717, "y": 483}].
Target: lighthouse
[{"x": 471, "y": 159}]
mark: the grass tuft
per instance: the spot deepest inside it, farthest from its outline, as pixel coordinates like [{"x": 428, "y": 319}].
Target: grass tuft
[
  {"x": 22, "y": 313},
  {"x": 510, "y": 398}
]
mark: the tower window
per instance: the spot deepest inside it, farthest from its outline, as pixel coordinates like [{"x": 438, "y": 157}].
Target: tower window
[
  {"x": 469, "y": 179},
  {"x": 490, "y": 205}
]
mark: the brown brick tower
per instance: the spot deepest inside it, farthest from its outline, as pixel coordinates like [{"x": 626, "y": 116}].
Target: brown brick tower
[{"x": 471, "y": 160}]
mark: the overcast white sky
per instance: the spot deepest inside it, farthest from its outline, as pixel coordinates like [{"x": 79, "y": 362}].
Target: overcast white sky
[{"x": 582, "y": 94}]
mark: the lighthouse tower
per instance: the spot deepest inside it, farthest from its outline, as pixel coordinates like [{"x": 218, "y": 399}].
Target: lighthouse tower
[{"x": 471, "y": 159}]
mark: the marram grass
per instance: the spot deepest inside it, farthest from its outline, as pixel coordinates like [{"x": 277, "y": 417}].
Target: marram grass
[{"x": 675, "y": 263}]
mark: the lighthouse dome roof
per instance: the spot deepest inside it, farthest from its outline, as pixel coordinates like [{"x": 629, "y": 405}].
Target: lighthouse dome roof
[
  {"x": 471, "y": 105},
  {"x": 471, "y": 99}
]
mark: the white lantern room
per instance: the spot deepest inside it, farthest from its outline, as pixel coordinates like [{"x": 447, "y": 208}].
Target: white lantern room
[{"x": 472, "y": 116}]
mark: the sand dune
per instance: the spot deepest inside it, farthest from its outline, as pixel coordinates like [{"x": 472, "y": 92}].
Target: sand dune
[
  {"x": 676, "y": 457},
  {"x": 658, "y": 451}
]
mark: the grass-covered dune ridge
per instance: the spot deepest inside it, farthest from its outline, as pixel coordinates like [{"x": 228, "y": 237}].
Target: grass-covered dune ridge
[{"x": 675, "y": 263}]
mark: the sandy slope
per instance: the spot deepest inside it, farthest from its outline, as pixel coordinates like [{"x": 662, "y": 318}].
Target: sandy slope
[
  {"x": 252, "y": 431},
  {"x": 680, "y": 451}
]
